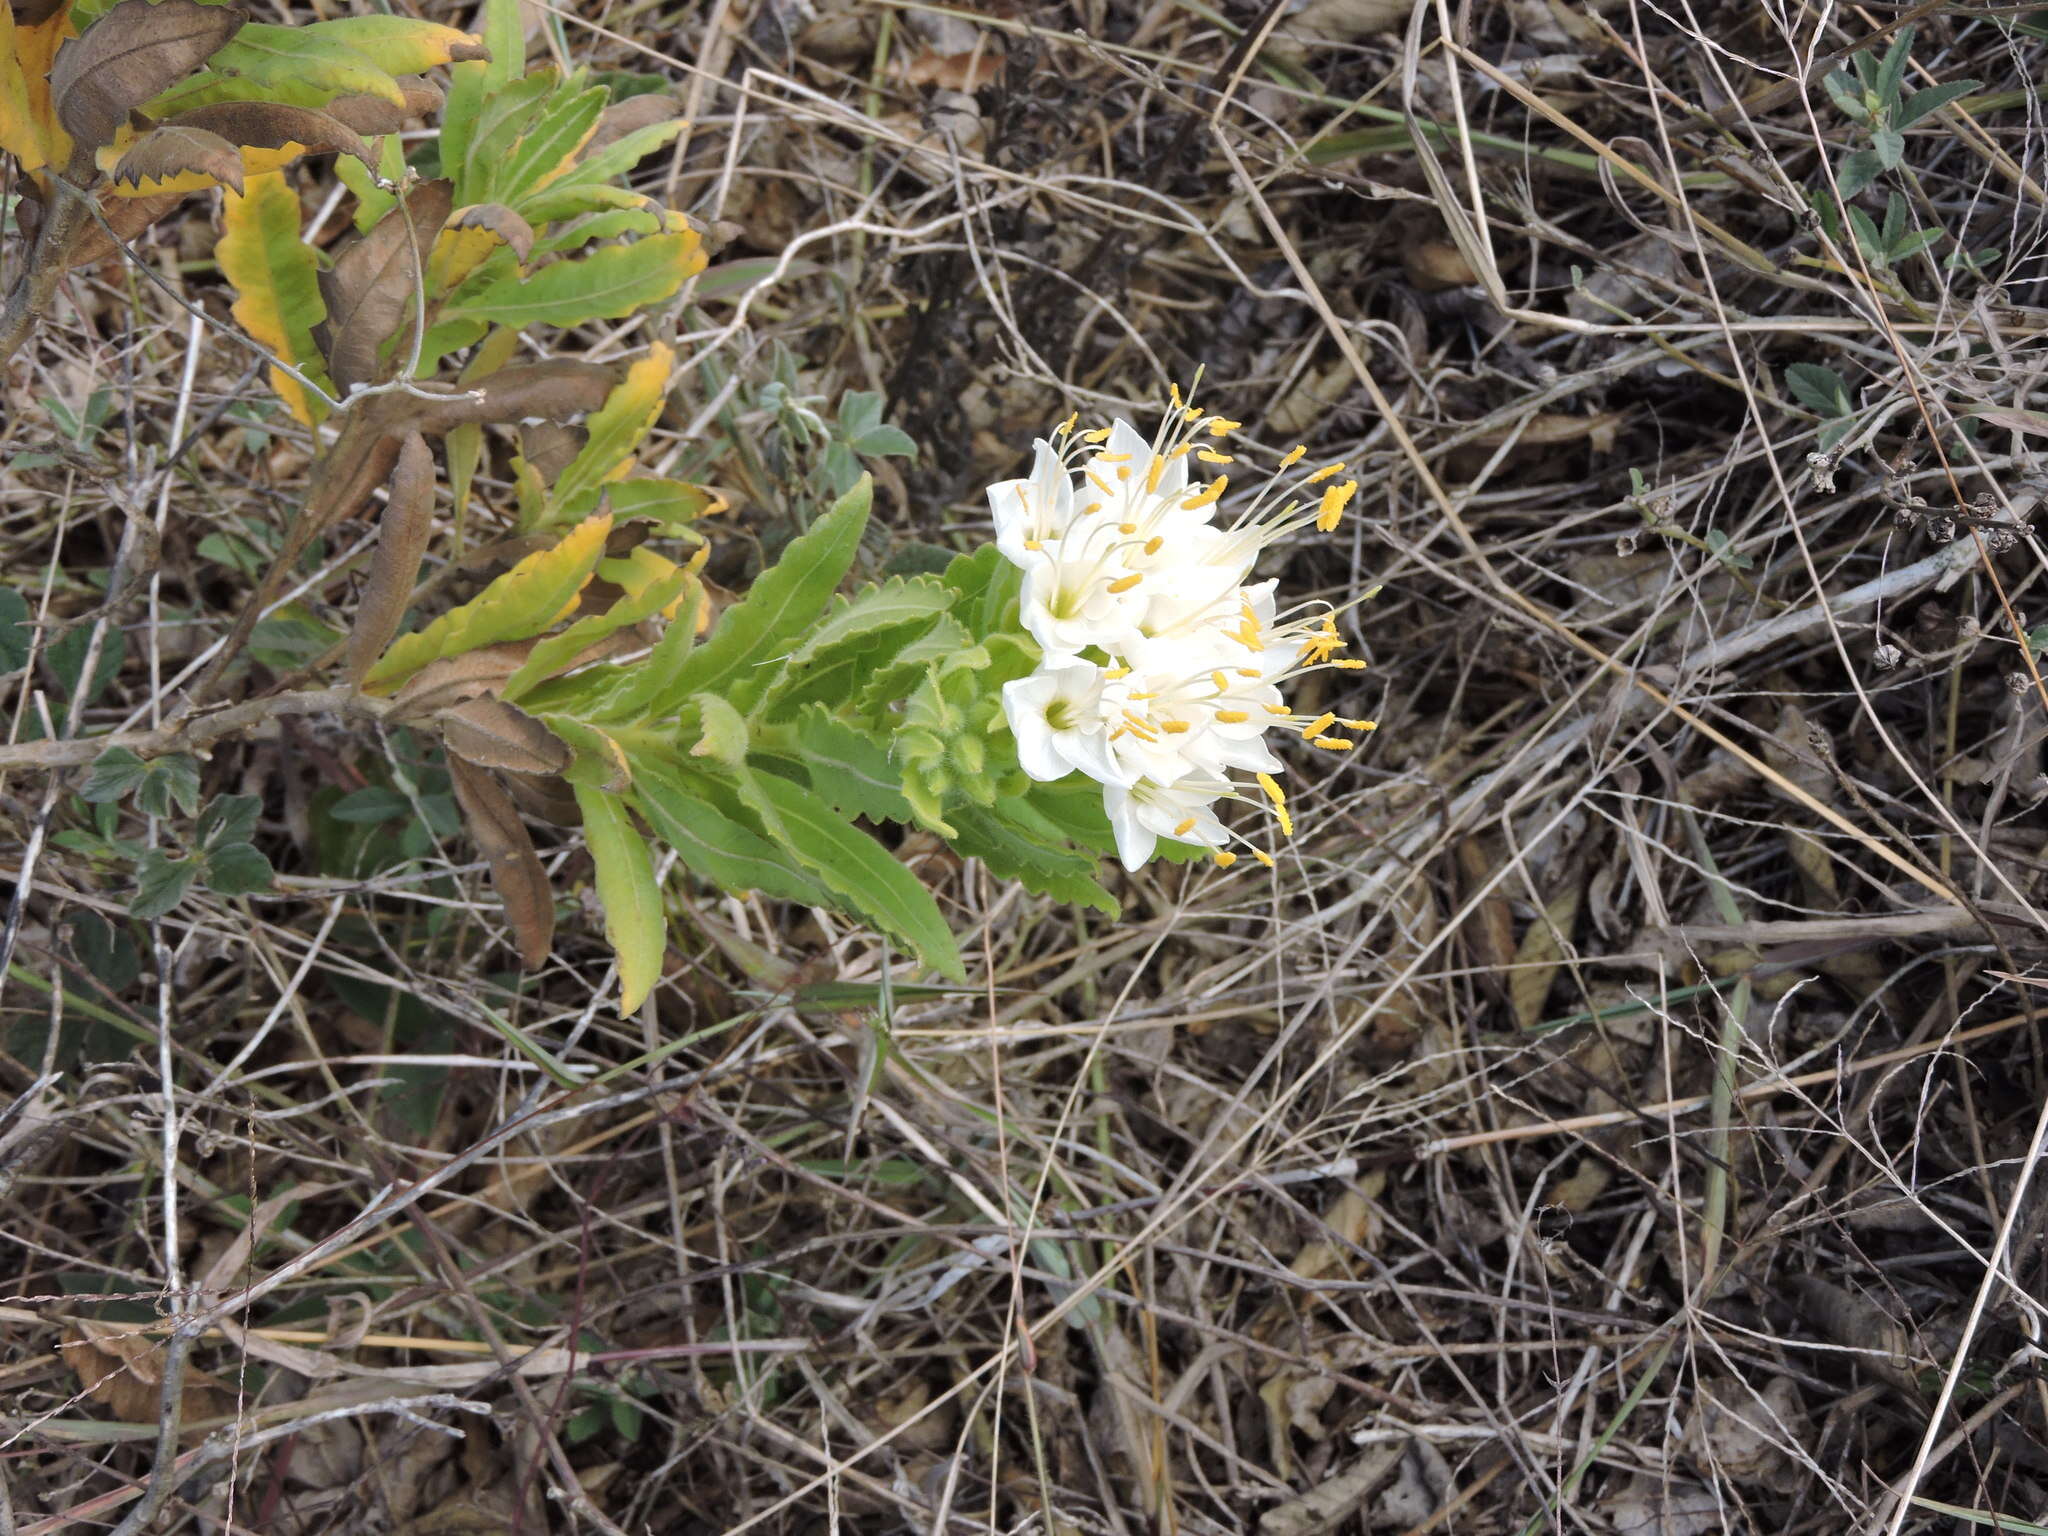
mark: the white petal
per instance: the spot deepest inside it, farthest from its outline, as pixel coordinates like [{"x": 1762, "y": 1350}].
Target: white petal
[
  {"x": 1134, "y": 841},
  {"x": 1024, "y": 702}
]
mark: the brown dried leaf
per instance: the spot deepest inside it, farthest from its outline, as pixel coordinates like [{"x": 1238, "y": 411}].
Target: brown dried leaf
[
  {"x": 372, "y": 288},
  {"x": 135, "y": 51},
  {"x": 630, "y": 116},
  {"x": 373, "y": 115},
  {"x": 1542, "y": 953},
  {"x": 268, "y": 125},
  {"x": 522, "y": 884},
  {"x": 121, "y": 1366},
  {"x": 127, "y": 217},
  {"x": 501, "y": 221},
  {"x": 550, "y": 447},
  {"x": 449, "y": 680},
  {"x": 401, "y": 544},
  {"x": 174, "y": 149},
  {"x": 494, "y": 734},
  {"x": 1550, "y": 427}
]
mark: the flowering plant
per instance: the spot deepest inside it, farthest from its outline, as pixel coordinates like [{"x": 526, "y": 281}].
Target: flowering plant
[{"x": 1161, "y": 663}]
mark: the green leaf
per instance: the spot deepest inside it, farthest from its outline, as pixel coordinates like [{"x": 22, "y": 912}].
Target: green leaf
[
  {"x": 898, "y": 609},
  {"x": 640, "y": 690},
  {"x": 542, "y": 153},
  {"x": 1847, "y": 95},
  {"x": 161, "y": 883},
  {"x": 237, "y": 869},
  {"x": 574, "y": 199},
  {"x": 697, "y": 818},
  {"x": 399, "y": 45},
  {"x": 675, "y": 504},
  {"x": 854, "y": 867},
  {"x": 616, "y": 431},
  {"x": 850, "y": 769},
  {"x": 633, "y": 921},
  {"x": 622, "y": 154},
  {"x": 304, "y": 58},
  {"x": 725, "y": 732},
  {"x": 608, "y": 284},
  {"x": 501, "y": 114},
  {"x": 1932, "y": 99},
  {"x": 1912, "y": 245},
  {"x": 1011, "y": 853},
  {"x": 782, "y": 604},
  {"x": 275, "y": 275},
  {"x": 1891, "y": 74},
  {"x": 551, "y": 655},
  {"x": 66, "y": 660},
  {"x": 114, "y": 773},
  {"x": 1889, "y": 145},
  {"x": 17, "y": 630},
  {"x": 1819, "y": 389},
  {"x": 1857, "y": 171},
  {"x": 371, "y": 805},
  {"x": 229, "y": 819},
  {"x": 527, "y": 600},
  {"x": 893, "y": 677}
]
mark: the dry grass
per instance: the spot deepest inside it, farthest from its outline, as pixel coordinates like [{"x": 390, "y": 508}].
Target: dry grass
[{"x": 1603, "y": 1118}]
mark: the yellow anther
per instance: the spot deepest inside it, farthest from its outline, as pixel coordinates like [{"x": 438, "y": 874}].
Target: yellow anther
[
  {"x": 1211, "y": 456},
  {"x": 1225, "y": 858},
  {"x": 1173, "y": 394},
  {"x": 1232, "y": 716},
  {"x": 1278, "y": 709},
  {"x": 1317, "y": 726},
  {"x": 1114, "y": 674},
  {"x": 1279, "y": 799},
  {"x": 1263, "y": 857},
  {"x": 1174, "y": 727},
  {"x": 1099, "y": 435},
  {"x": 1327, "y": 472},
  {"x": 1125, "y": 583},
  {"x": 1293, "y": 456},
  {"x": 1153, "y": 474},
  {"x": 1249, "y": 672},
  {"x": 1361, "y": 725},
  {"x": 1126, "y": 527},
  {"x": 1332, "y": 510},
  {"x": 1066, "y": 426},
  {"x": 1033, "y": 544},
  {"x": 1123, "y": 473},
  {"x": 1207, "y": 497},
  {"x": 1155, "y": 544},
  {"x": 1090, "y": 510},
  {"x": 1222, "y": 683},
  {"x": 1223, "y": 426},
  {"x": 1189, "y": 413},
  {"x": 1349, "y": 666},
  {"x": 1185, "y": 828},
  {"x": 1335, "y": 744},
  {"x": 1100, "y": 484},
  {"x": 1179, "y": 453}
]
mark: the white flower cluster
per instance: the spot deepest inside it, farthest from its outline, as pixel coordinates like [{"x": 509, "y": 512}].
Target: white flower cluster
[{"x": 1163, "y": 662}]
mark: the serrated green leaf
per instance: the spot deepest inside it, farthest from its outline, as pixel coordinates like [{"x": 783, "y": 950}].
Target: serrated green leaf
[
  {"x": 853, "y": 866},
  {"x": 611, "y": 225},
  {"x": 851, "y": 770},
  {"x": 608, "y": 284},
  {"x": 574, "y": 199},
  {"x": 634, "y": 924},
  {"x": 781, "y": 605},
  {"x": 859, "y": 635},
  {"x": 599, "y": 762},
  {"x": 528, "y": 599},
  {"x": 168, "y": 784},
  {"x": 114, "y": 773},
  {"x": 724, "y": 738},
  {"x": 238, "y": 869},
  {"x": 1818, "y": 389},
  {"x": 1012, "y": 853},
  {"x": 896, "y": 676},
  {"x": 713, "y": 842},
  {"x": 161, "y": 883}
]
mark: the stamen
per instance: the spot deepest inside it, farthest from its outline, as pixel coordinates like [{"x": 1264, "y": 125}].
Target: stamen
[
  {"x": 1153, "y": 474},
  {"x": 1278, "y": 709},
  {"x": 1174, "y": 727},
  {"x": 1126, "y": 583},
  {"x": 1112, "y": 458},
  {"x": 1327, "y": 472},
  {"x": 1099, "y": 435},
  {"x": 1173, "y": 394},
  {"x": 1279, "y": 799},
  {"x": 1334, "y": 744},
  {"x": 1033, "y": 544},
  {"x": 1293, "y": 456},
  {"x": 1331, "y": 512},
  {"x": 1232, "y": 716},
  {"x": 1263, "y": 857},
  {"x": 1211, "y": 456},
  {"x": 1222, "y": 426},
  {"x": 1225, "y": 858},
  {"x": 1126, "y": 528},
  {"x": 1222, "y": 683},
  {"x": 1185, "y": 828},
  {"x": 1066, "y": 426},
  {"x": 1349, "y": 666},
  {"x": 1154, "y": 544},
  {"x": 1100, "y": 484},
  {"x": 1361, "y": 725},
  {"x": 1317, "y": 726},
  {"x": 1208, "y": 497}
]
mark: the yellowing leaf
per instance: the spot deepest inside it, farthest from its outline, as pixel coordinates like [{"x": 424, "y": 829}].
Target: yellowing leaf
[
  {"x": 633, "y": 921},
  {"x": 531, "y": 598},
  {"x": 641, "y": 568},
  {"x": 663, "y": 594},
  {"x": 616, "y": 431},
  {"x": 276, "y": 276},
  {"x": 29, "y": 130},
  {"x": 470, "y": 238},
  {"x": 399, "y": 45},
  {"x": 605, "y": 285},
  {"x": 305, "y": 60}
]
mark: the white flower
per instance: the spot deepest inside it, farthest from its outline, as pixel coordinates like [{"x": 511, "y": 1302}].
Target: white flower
[
  {"x": 1056, "y": 716},
  {"x": 1142, "y": 813},
  {"x": 1162, "y": 662}
]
